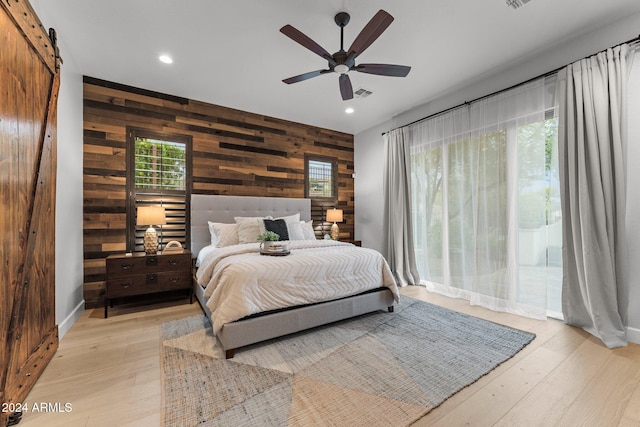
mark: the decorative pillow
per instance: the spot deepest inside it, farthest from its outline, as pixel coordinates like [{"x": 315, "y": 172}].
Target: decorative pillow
[
  {"x": 278, "y": 226},
  {"x": 250, "y": 228},
  {"x": 212, "y": 232},
  {"x": 225, "y": 234},
  {"x": 307, "y": 230},
  {"x": 295, "y": 230}
]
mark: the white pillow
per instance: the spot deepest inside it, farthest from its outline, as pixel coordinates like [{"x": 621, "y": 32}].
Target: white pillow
[
  {"x": 295, "y": 231},
  {"x": 250, "y": 228},
  {"x": 212, "y": 232},
  {"x": 307, "y": 230},
  {"x": 290, "y": 218},
  {"x": 223, "y": 234}
]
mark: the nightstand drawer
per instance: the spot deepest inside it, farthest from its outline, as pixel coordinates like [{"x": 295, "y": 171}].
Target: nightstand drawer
[
  {"x": 147, "y": 283},
  {"x": 134, "y": 265}
]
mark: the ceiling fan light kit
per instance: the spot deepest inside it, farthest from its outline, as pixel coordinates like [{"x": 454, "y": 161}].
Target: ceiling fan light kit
[{"x": 341, "y": 62}]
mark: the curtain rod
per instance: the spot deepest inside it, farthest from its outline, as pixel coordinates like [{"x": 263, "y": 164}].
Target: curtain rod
[{"x": 548, "y": 73}]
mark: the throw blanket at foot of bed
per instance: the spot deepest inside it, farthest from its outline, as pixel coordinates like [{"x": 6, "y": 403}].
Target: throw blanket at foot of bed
[{"x": 240, "y": 281}]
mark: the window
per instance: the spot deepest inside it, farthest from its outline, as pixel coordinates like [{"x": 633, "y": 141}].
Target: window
[
  {"x": 321, "y": 177},
  {"x": 158, "y": 174}
]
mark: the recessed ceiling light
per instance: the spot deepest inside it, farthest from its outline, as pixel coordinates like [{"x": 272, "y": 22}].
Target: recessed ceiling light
[
  {"x": 349, "y": 110},
  {"x": 166, "y": 59}
]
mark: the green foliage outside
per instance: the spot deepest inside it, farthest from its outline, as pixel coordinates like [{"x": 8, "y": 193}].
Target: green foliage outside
[
  {"x": 160, "y": 165},
  {"x": 320, "y": 179}
]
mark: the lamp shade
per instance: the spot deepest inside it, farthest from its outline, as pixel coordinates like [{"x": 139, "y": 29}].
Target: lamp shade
[
  {"x": 151, "y": 215},
  {"x": 334, "y": 215}
]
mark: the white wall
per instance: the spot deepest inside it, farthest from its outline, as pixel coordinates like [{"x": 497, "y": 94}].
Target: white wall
[
  {"x": 368, "y": 154},
  {"x": 368, "y": 165},
  {"x": 69, "y": 255}
]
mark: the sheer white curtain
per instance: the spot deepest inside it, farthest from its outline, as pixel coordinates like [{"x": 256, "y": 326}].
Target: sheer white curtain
[
  {"x": 486, "y": 214},
  {"x": 593, "y": 151}
]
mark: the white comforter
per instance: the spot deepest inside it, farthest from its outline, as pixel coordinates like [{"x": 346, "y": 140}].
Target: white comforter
[{"x": 240, "y": 282}]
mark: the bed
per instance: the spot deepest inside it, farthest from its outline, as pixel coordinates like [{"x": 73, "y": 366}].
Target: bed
[{"x": 251, "y": 298}]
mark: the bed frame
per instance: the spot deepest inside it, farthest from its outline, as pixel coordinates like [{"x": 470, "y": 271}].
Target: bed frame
[{"x": 274, "y": 324}]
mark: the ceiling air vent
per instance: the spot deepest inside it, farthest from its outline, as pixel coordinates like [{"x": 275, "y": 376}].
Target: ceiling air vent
[
  {"x": 516, "y": 3},
  {"x": 362, "y": 93}
]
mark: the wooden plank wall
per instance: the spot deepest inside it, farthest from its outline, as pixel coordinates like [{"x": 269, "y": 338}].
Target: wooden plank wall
[{"x": 234, "y": 153}]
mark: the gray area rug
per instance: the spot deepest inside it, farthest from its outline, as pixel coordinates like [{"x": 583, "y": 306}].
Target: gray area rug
[{"x": 377, "y": 369}]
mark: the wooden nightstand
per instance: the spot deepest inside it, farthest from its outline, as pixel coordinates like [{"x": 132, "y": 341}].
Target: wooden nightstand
[
  {"x": 139, "y": 274},
  {"x": 355, "y": 242}
]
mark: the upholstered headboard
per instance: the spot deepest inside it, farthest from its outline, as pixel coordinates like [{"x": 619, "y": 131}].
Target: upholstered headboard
[{"x": 206, "y": 208}]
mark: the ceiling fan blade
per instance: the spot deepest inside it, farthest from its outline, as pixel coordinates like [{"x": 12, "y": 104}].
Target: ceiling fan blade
[
  {"x": 370, "y": 33},
  {"x": 305, "y": 76},
  {"x": 346, "y": 90},
  {"x": 305, "y": 41},
  {"x": 383, "y": 69}
]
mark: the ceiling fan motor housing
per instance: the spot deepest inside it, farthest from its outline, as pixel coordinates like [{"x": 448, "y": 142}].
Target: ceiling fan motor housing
[
  {"x": 342, "y": 19},
  {"x": 342, "y": 62}
]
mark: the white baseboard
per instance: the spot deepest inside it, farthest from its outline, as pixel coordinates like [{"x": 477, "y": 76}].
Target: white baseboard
[
  {"x": 68, "y": 322},
  {"x": 633, "y": 335}
]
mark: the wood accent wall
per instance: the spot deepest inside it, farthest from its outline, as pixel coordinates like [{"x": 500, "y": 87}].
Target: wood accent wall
[
  {"x": 234, "y": 153},
  {"x": 29, "y": 82}
]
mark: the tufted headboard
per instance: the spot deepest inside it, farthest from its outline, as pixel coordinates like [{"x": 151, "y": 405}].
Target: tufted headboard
[{"x": 206, "y": 208}]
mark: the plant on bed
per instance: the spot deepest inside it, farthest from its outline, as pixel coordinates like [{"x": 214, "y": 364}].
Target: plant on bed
[
  {"x": 269, "y": 236},
  {"x": 267, "y": 240}
]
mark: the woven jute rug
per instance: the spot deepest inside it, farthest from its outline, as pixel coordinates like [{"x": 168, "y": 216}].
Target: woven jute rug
[{"x": 378, "y": 369}]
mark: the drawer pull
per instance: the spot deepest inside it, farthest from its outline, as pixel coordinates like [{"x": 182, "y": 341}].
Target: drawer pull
[
  {"x": 152, "y": 260},
  {"x": 126, "y": 266},
  {"x": 174, "y": 280},
  {"x": 152, "y": 277},
  {"x": 127, "y": 285},
  {"x": 173, "y": 262}
]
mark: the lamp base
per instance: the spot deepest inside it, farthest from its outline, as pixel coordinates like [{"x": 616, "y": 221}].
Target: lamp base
[
  {"x": 151, "y": 241},
  {"x": 335, "y": 231}
]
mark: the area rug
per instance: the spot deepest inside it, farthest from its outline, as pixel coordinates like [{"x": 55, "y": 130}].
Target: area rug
[{"x": 377, "y": 369}]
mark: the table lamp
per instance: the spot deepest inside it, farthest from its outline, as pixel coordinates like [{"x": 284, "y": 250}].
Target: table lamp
[
  {"x": 151, "y": 215},
  {"x": 334, "y": 215}
]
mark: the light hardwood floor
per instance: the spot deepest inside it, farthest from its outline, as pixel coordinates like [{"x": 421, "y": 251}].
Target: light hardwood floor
[{"x": 108, "y": 370}]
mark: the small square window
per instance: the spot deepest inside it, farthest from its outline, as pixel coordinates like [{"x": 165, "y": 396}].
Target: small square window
[{"x": 321, "y": 177}]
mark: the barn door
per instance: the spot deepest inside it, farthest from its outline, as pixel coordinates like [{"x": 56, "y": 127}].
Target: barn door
[{"x": 29, "y": 81}]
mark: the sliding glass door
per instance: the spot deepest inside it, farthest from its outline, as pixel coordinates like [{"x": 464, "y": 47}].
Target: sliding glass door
[{"x": 487, "y": 224}]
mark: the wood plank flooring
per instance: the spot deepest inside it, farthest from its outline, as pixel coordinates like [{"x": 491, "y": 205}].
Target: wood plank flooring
[{"x": 108, "y": 370}]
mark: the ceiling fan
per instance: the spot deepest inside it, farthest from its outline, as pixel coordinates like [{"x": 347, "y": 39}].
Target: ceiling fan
[{"x": 342, "y": 62}]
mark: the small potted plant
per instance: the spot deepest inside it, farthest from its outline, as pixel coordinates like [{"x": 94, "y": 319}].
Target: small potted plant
[{"x": 266, "y": 240}]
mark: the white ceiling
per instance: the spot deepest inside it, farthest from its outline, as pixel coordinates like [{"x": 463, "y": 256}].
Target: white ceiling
[{"x": 231, "y": 53}]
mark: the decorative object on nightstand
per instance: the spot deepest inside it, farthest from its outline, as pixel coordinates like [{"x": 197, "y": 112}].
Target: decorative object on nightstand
[
  {"x": 334, "y": 215},
  {"x": 172, "y": 246},
  {"x": 139, "y": 274},
  {"x": 151, "y": 215}
]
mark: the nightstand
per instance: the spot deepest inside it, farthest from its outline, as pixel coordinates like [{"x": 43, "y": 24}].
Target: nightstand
[
  {"x": 354, "y": 242},
  {"x": 139, "y": 274}
]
